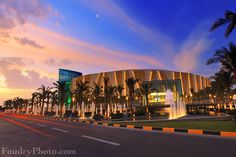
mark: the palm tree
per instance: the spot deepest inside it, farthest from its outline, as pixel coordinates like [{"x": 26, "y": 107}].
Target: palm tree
[
  {"x": 131, "y": 81},
  {"x": 145, "y": 90},
  {"x": 8, "y": 104},
  {"x": 119, "y": 90},
  {"x": 82, "y": 90},
  {"x": 44, "y": 92},
  {"x": 25, "y": 104},
  {"x": 96, "y": 93},
  {"x": 71, "y": 95},
  {"x": 227, "y": 59},
  {"x": 48, "y": 96},
  {"x": 39, "y": 100},
  {"x": 33, "y": 97},
  {"x": 106, "y": 98},
  {"x": 18, "y": 104},
  {"x": 138, "y": 95},
  {"x": 229, "y": 18},
  {"x": 224, "y": 82},
  {"x": 61, "y": 90},
  {"x": 54, "y": 99},
  {"x": 111, "y": 93}
]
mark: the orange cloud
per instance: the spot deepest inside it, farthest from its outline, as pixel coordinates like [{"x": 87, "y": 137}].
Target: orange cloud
[{"x": 80, "y": 55}]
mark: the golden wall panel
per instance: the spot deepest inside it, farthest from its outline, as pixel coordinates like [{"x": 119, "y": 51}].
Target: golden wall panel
[
  {"x": 177, "y": 75},
  {"x": 168, "y": 74},
  {"x": 118, "y": 77},
  {"x": 159, "y": 75},
  {"x": 203, "y": 82},
  {"x": 124, "y": 77},
  {"x": 185, "y": 83},
  {"x": 163, "y": 75},
  {"x": 192, "y": 82},
  {"x": 93, "y": 78},
  {"x": 198, "y": 82},
  {"x": 111, "y": 77},
  {"x": 100, "y": 79},
  {"x": 154, "y": 75},
  {"x": 148, "y": 75},
  {"x": 139, "y": 74}
]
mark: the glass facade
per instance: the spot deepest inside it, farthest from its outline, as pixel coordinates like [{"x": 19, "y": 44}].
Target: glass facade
[
  {"x": 159, "y": 90},
  {"x": 66, "y": 76}
]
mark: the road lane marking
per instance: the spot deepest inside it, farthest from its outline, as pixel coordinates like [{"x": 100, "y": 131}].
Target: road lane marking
[
  {"x": 59, "y": 129},
  {"x": 41, "y": 125},
  {"x": 101, "y": 140},
  {"x": 28, "y": 127}
]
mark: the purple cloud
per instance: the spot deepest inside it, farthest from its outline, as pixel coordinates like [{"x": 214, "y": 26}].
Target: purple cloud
[
  {"x": 16, "y": 79},
  {"x": 14, "y": 12},
  {"x": 26, "y": 41}
]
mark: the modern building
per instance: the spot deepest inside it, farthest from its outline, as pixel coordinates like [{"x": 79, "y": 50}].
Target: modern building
[
  {"x": 180, "y": 83},
  {"x": 67, "y": 76}
]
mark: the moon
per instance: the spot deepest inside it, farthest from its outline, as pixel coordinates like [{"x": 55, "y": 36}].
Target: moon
[{"x": 97, "y": 16}]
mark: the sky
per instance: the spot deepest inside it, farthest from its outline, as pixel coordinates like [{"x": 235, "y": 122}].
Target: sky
[{"x": 37, "y": 37}]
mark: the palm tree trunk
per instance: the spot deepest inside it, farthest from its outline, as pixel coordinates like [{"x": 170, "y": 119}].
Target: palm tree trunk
[
  {"x": 131, "y": 103},
  {"x": 42, "y": 107},
  {"x": 47, "y": 104},
  {"x": 146, "y": 97},
  {"x": 61, "y": 106},
  {"x": 122, "y": 108}
]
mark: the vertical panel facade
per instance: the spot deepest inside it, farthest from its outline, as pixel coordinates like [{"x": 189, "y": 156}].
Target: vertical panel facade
[{"x": 187, "y": 80}]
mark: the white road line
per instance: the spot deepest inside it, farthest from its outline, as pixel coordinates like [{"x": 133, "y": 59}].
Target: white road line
[
  {"x": 101, "y": 140},
  {"x": 60, "y": 130},
  {"x": 41, "y": 125}
]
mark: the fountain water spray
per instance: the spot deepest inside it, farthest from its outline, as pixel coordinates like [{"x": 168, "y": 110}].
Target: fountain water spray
[{"x": 177, "y": 109}]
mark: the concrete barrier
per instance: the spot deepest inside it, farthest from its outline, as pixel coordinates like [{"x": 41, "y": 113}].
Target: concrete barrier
[
  {"x": 147, "y": 128},
  {"x": 195, "y": 131}
]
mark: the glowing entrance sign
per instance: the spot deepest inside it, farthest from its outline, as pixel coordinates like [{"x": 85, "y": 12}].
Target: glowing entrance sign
[{"x": 160, "y": 87}]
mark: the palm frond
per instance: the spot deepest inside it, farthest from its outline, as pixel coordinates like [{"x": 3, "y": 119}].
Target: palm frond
[
  {"x": 218, "y": 23},
  {"x": 229, "y": 29}
]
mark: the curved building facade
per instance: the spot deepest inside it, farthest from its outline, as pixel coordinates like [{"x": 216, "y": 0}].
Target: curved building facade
[{"x": 161, "y": 80}]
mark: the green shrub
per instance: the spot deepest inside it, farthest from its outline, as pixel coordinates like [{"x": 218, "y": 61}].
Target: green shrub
[
  {"x": 53, "y": 113},
  {"x": 223, "y": 110},
  {"x": 74, "y": 114},
  {"x": 67, "y": 113},
  {"x": 139, "y": 113},
  {"x": 87, "y": 114},
  {"x": 98, "y": 117},
  {"x": 235, "y": 117},
  {"x": 47, "y": 113},
  {"x": 116, "y": 116},
  {"x": 231, "y": 112}
]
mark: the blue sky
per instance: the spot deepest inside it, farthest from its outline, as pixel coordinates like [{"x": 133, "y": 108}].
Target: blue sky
[
  {"x": 176, "y": 21},
  {"x": 39, "y": 36}
]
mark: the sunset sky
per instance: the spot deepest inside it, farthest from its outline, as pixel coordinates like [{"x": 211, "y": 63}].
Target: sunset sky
[{"x": 37, "y": 37}]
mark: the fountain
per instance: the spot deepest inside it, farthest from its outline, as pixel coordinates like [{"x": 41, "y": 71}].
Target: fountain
[{"x": 177, "y": 109}]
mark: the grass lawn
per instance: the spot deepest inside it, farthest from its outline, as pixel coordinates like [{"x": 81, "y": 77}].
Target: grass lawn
[{"x": 204, "y": 125}]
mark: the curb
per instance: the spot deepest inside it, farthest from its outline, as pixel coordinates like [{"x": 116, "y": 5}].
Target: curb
[{"x": 150, "y": 128}]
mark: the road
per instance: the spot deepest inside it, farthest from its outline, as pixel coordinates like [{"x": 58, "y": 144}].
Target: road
[{"x": 30, "y": 136}]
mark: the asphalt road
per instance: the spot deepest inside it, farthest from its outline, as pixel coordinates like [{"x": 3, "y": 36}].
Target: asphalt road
[{"x": 35, "y": 136}]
